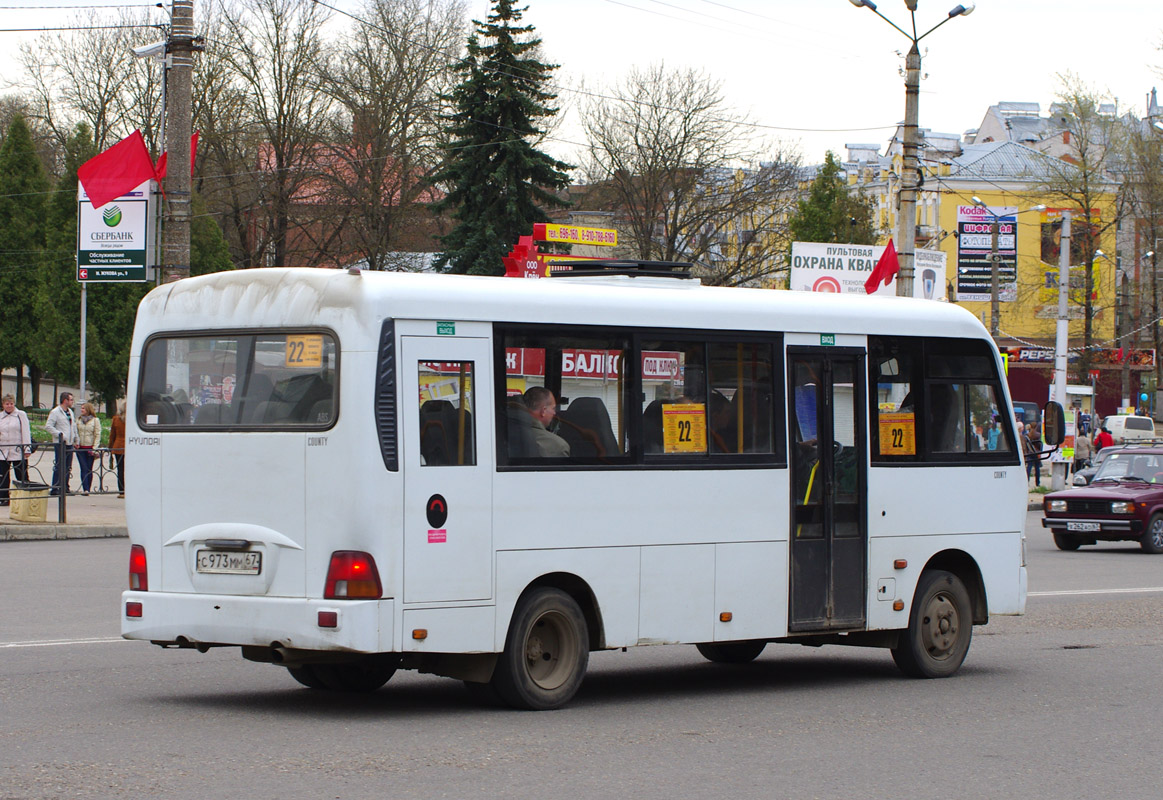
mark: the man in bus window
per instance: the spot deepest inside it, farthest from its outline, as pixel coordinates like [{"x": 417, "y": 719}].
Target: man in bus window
[{"x": 541, "y": 406}]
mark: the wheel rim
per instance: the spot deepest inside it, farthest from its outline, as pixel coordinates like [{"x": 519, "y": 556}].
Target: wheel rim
[
  {"x": 549, "y": 649},
  {"x": 1157, "y": 534},
  {"x": 941, "y": 626}
]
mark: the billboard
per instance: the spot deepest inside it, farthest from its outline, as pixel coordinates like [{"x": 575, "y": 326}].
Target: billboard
[
  {"x": 115, "y": 242},
  {"x": 975, "y": 253},
  {"x": 843, "y": 269}
]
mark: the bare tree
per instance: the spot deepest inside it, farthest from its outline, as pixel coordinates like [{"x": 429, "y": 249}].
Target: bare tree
[
  {"x": 274, "y": 50},
  {"x": 680, "y": 170},
  {"x": 1143, "y": 188},
  {"x": 1079, "y": 176},
  {"x": 387, "y": 78}
]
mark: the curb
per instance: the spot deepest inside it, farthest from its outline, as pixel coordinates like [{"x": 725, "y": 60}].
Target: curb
[{"x": 38, "y": 532}]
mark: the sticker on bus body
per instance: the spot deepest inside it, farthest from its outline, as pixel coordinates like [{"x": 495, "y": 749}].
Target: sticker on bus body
[{"x": 438, "y": 537}]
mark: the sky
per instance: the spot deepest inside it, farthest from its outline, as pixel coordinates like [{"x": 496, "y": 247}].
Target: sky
[{"x": 812, "y": 74}]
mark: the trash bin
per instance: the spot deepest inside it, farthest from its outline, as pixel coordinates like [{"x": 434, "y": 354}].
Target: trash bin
[{"x": 28, "y": 502}]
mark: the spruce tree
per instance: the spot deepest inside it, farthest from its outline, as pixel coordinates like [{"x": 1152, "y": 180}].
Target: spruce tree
[
  {"x": 498, "y": 181},
  {"x": 831, "y": 213},
  {"x": 23, "y": 190}
]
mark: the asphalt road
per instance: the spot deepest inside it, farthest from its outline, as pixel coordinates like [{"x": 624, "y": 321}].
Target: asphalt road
[{"x": 1061, "y": 703}]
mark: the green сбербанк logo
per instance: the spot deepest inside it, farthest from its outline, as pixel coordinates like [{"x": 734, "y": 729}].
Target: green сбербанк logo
[{"x": 112, "y": 216}]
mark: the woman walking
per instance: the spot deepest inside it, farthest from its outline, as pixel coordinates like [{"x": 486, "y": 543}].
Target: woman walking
[
  {"x": 89, "y": 435},
  {"x": 117, "y": 445}
]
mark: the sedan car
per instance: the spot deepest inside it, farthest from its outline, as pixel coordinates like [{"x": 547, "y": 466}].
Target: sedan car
[
  {"x": 1084, "y": 476},
  {"x": 1124, "y": 502}
]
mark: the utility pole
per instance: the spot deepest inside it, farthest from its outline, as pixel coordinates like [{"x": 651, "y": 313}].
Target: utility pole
[
  {"x": 181, "y": 49},
  {"x": 1061, "y": 340},
  {"x": 907, "y": 228}
]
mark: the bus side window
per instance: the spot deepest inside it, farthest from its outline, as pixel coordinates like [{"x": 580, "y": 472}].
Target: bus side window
[{"x": 446, "y": 411}]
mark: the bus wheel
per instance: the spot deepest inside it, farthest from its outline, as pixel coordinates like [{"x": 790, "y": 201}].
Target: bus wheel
[
  {"x": 1064, "y": 541},
  {"x": 307, "y": 676},
  {"x": 365, "y": 675},
  {"x": 731, "y": 652},
  {"x": 1152, "y": 539},
  {"x": 545, "y": 654},
  {"x": 940, "y": 628}
]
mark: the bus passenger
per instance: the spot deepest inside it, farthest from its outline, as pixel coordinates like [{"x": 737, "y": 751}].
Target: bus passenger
[{"x": 541, "y": 406}]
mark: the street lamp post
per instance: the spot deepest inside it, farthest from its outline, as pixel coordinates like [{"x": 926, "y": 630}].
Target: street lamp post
[
  {"x": 910, "y": 141},
  {"x": 995, "y": 263}
]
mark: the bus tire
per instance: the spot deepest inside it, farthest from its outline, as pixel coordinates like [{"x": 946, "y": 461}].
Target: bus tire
[
  {"x": 731, "y": 652},
  {"x": 1064, "y": 541},
  {"x": 307, "y": 676},
  {"x": 546, "y": 652},
  {"x": 366, "y": 675},
  {"x": 940, "y": 628},
  {"x": 1152, "y": 539}
]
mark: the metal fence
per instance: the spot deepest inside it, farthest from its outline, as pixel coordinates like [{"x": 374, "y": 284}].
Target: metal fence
[{"x": 40, "y": 464}]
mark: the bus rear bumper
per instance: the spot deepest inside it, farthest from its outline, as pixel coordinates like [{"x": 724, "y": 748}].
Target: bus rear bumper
[{"x": 361, "y": 626}]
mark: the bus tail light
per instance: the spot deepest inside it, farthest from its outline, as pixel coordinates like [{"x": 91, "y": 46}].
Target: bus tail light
[
  {"x": 352, "y": 574},
  {"x": 138, "y": 580}
]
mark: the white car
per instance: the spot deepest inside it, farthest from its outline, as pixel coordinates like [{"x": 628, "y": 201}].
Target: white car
[{"x": 1125, "y": 428}]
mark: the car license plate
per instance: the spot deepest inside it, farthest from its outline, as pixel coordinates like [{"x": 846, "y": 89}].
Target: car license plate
[
  {"x": 229, "y": 562},
  {"x": 1084, "y": 527}
]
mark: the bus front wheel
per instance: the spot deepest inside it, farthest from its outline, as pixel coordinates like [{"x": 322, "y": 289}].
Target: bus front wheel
[
  {"x": 940, "y": 628},
  {"x": 546, "y": 652}
]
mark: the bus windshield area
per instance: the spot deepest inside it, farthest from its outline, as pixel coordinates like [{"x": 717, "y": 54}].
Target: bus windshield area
[{"x": 251, "y": 380}]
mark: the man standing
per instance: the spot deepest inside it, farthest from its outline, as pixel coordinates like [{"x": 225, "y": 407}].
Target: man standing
[
  {"x": 62, "y": 424},
  {"x": 15, "y": 437}
]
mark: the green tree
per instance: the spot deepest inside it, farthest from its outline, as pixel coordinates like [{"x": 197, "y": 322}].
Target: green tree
[
  {"x": 57, "y": 306},
  {"x": 209, "y": 251},
  {"x": 22, "y": 242},
  {"x": 832, "y": 214},
  {"x": 498, "y": 181}
]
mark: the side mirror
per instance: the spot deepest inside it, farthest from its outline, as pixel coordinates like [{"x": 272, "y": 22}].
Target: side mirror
[{"x": 1053, "y": 424}]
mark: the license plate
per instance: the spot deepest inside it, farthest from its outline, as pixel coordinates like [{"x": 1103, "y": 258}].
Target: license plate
[
  {"x": 1084, "y": 527},
  {"x": 229, "y": 562}
]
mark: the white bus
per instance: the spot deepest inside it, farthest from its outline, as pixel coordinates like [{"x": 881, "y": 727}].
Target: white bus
[{"x": 339, "y": 473}]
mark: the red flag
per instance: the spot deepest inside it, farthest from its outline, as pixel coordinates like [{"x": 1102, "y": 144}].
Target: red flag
[
  {"x": 122, "y": 168},
  {"x": 164, "y": 157},
  {"x": 885, "y": 269}
]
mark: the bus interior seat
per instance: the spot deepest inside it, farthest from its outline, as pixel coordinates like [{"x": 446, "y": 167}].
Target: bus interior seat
[
  {"x": 586, "y": 427},
  {"x": 439, "y": 420},
  {"x": 271, "y": 411},
  {"x": 210, "y": 414},
  {"x": 161, "y": 407},
  {"x": 652, "y": 427},
  {"x": 259, "y": 390}
]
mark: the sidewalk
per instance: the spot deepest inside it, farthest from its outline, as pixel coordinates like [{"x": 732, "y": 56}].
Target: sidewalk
[{"x": 93, "y": 517}]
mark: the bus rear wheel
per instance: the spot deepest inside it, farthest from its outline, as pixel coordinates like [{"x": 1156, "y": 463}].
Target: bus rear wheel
[
  {"x": 940, "y": 628},
  {"x": 731, "y": 652},
  {"x": 546, "y": 652}
]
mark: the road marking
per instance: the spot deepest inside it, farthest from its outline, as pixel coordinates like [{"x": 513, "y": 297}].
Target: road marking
[
  {"x": 60, "y": 642},
  {"x": 1144, "y": 590}
]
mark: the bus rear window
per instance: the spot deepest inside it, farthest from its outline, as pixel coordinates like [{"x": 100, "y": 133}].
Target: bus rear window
[{"x": 239, "y": 380}]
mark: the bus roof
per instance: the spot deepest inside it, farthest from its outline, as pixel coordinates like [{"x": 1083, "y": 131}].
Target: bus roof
[{"x": 278, "y": 297}]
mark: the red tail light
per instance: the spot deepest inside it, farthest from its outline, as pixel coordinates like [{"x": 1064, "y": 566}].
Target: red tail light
[
  {"x": 352, "y": 574},
  {"x": 138, "y": 581}
]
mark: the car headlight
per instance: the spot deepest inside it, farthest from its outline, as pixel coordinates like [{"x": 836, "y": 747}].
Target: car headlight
[
  {"x": 1079, "y": 480},
  {"x": 1056, "y": 506},
  {"x": 1122, "y": 507}
]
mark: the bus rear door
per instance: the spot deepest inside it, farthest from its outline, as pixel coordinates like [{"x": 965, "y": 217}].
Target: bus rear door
[{"x": 828, "y": 529}]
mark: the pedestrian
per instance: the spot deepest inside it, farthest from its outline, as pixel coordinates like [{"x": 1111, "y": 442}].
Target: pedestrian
[
  {"x": 88, "y": 437},
  {"x": 1032, "y": 446},
  {"x": 62, "y": 426},
  {"x": 15, "y": 442},
  {"x": 993, "y": 434},
  {"x": 1103, "y": 439},
  {"x": 1082, "y": 451},
  {"x": 117, "y": 445}
]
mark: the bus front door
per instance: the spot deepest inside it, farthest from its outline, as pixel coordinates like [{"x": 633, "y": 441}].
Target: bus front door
[
  {"x": 446, "y": 414},
  {"x": 828, "y": 530}
]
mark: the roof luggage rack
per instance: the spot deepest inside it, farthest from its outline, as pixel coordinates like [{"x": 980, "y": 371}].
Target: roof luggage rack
[{"x": 604, "y": 268}]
